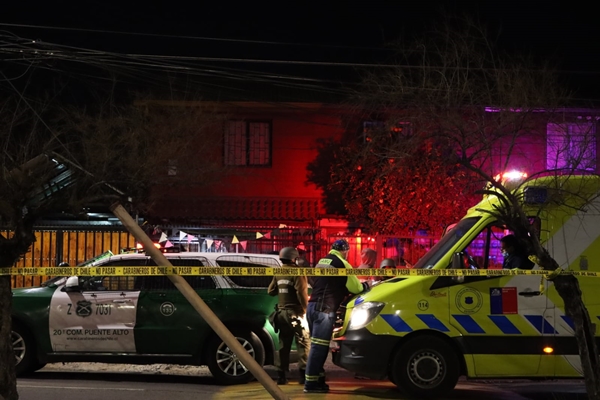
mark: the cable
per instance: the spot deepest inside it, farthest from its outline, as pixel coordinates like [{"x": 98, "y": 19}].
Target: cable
[{"x": 191, "y": 37}]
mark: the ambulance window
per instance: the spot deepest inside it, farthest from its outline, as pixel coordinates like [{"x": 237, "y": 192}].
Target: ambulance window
[
  {"x": 484, "y": 251},
  {"x": 441, "y": 248}
]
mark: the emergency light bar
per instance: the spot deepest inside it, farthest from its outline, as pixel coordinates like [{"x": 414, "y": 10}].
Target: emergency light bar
[{"x": 510, "y": 176}]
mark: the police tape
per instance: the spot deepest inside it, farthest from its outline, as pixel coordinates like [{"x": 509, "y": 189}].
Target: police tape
[{"x": 280, "y": 271}]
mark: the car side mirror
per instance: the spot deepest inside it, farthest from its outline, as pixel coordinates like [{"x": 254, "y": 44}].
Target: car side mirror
[
  {"x": 457, "y": 263},
  {"x": 72, "y": 284}
]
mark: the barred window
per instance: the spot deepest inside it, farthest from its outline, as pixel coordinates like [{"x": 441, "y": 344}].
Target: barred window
[{"x": 247, "y": 143}]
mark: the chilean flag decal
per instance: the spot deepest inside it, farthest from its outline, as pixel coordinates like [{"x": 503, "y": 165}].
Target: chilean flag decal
[{"x": 503, "y": 300}]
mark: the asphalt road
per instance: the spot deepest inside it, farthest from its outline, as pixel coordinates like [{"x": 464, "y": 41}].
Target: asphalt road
[{"x": 58, "y": 382}]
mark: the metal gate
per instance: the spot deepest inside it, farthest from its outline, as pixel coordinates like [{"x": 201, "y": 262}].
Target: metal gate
[
  {"x": 73, "y": 247},
  {"x": 407, "y": 248}
]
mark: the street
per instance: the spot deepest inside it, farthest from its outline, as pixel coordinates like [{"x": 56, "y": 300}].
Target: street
[{"x": 157, "y": 382}]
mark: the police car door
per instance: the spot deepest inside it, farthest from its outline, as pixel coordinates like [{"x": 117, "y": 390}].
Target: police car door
[
  {"x": 504, "y": 319},
  {"x": 167, "y": 322},
  {"x": 100, "y": 317}
]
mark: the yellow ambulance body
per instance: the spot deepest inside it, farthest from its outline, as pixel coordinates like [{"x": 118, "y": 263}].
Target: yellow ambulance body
[{"x": 424, "y": 332}]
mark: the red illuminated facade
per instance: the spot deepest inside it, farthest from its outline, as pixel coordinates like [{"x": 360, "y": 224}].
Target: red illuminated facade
[{"x": 267, "y": 147}]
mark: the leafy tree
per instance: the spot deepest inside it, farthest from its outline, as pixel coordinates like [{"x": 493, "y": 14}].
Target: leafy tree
[
  {"x": 393, "y": 195},
  {"x": 485, "y": 112},
  {"x": 456, "y": 88},
  {"x": 113, "y": 153}
]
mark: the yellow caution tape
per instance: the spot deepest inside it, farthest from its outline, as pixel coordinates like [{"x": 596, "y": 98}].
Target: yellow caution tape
[{"x": 281, "y": 271}]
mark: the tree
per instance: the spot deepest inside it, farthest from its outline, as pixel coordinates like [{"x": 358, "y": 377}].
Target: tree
[
  {"x": 485, "y": 109},
  {"x": 392, "y": 195},
  {"x": 57, "y": 157}
]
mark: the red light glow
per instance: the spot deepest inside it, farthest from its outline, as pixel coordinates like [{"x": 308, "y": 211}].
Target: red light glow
[{"x": 510, "y": 176}]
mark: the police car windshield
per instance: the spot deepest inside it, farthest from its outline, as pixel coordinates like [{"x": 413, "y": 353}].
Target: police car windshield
[{"x": 442, "y": 247}]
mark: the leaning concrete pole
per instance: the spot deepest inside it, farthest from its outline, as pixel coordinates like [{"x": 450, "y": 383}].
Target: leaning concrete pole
[{"x": 199, "y": 304}]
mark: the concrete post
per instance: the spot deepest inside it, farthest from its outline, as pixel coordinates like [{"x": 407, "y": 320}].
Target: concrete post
[{"x": 199, "y": 305}]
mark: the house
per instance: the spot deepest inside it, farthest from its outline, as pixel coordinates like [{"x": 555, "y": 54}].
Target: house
[{"x": 264, "y": 201}]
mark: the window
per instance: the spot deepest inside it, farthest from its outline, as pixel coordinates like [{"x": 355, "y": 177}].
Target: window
[
  {"x": 172, "y": 168},
  {"x": 484, "y": 251},
  {"x": 377, "y": 128},
  {"x": 164, "y": 283},
  {"x": 114, "y": 283},
  {"x": 571, "y": 146},
  {"x": 370, "y": 128},
  {"x": 248, "y": 143},
  {"x": 247, "y": 261}
]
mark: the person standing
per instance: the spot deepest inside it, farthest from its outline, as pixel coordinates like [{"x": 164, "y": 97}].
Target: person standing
[
  {"x": 328, "y": 292},
  {"x": 368, "y": 258},
  {"x": 387, "y": 263},
  {"x": 515, "y": 256},
  {"x": 290, "y": 316}
]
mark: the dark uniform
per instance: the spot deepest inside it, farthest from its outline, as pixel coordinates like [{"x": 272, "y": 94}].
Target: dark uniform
[
  {"x": 290, "y": 320},
  {"x": 327, "y": 294}
]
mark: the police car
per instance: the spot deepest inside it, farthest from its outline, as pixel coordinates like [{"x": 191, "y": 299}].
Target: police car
[{"x": 145, "y": 319}]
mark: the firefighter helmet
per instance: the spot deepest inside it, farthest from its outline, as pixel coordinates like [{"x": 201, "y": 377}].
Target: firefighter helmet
[
  {"x": 340, "y": 245},
  {"x": 387, "y": 263},
  {"x": 288, "y": 253}
]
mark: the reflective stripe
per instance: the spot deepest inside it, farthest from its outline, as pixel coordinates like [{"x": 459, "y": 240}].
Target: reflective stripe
[
  {"x": 569, "y": 321},
  {"x": 505, "y": 325},
  {"x": 432, "y": 322},
  {"x": 320, "y": 342},
  {"x": 468, "y": 323},
  {"x": 541, "y": 324},
  {"x": 396, "y": 323},
  {"x": 311, "y": 378}
]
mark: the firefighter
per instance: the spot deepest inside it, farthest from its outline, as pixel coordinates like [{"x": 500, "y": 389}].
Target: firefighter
[
  {"x": 328, "y": 292},
  {"x": 290, "y": 316}
]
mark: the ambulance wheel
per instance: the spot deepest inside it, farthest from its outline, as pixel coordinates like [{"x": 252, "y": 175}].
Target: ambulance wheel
[
  {"x": 24, "y": 350},
  {"x": 225, "y": 366},
  {"x": 425, "y": 366}
]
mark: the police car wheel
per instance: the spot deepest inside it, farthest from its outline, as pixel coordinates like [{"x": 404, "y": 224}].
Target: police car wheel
[
  {"x": 425, "y": 366},
  {"x": 24, "y": 350},
  {"x": 225, "y": 366}
]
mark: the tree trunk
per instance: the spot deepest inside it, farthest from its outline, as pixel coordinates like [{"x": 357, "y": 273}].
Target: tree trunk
[
  {"x": 567, "y": 287},
  {"x": 8, "y": 378}
]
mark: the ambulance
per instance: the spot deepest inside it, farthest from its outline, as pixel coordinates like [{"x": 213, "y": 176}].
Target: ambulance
[{"x": 424, "y": 332}]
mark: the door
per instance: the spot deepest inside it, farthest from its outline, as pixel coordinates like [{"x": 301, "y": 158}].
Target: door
[
  {"x": 99, "y": 318},
  {"x": 167, "y": 322},
  {"x": 505, "y": 321}
]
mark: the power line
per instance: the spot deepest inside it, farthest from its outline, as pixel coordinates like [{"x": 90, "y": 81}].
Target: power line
[{"x": 192, "y": 37}]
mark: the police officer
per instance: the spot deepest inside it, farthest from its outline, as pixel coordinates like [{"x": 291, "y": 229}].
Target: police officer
[
  {"x": 290, "y": 316},
  {"x": 328, "y": 292}
]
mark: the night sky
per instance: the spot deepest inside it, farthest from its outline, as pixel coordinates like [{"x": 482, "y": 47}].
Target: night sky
[{"x": 564, "y": 33}]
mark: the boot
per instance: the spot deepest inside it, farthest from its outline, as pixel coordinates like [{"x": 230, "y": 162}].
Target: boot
[
  {"x": 302, "y": 377},
  {"x": 282, "y": 380}
]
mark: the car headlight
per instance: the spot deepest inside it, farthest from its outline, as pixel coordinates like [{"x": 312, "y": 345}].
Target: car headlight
[{"x": 364, "y": 313}]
